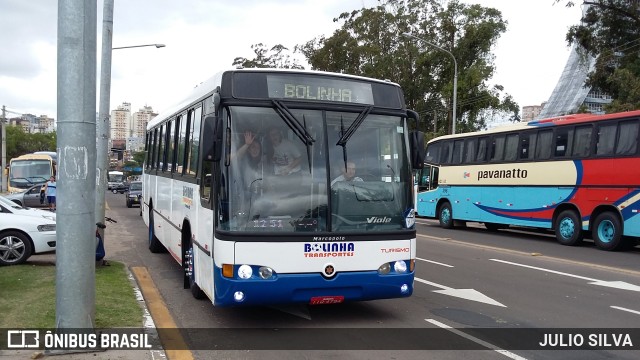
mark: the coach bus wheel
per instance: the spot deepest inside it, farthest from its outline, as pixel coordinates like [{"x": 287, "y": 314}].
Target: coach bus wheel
[
  {"x": 189, "y": 269},
  {"x": 568, "y": 228},
  {"x": 445, "y": 215},
  {"x": 607, "y": 232},
  {"x": 155, "y": 246}
]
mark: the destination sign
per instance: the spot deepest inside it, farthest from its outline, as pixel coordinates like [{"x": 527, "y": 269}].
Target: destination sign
[{"x": 303, "y": 87}]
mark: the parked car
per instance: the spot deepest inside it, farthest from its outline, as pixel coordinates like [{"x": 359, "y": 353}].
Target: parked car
[
  {"x": 24, "y": 232},
  {"x": 134, "y": 193},
  {"x": 119, "y": 188},
  {"x": 29, "y": 197}
]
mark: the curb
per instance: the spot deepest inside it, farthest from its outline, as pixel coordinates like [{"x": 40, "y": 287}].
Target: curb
[{"x": 148, "y": 324}]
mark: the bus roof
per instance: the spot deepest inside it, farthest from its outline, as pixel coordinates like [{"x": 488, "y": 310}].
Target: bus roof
[
  {"x": 548, "y": 122},
  {"x": 36, "y": 156},
  {"x": 207, "y": 87}
]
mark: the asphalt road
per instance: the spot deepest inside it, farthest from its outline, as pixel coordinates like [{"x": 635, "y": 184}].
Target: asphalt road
[{"x": 466, "y": 278}]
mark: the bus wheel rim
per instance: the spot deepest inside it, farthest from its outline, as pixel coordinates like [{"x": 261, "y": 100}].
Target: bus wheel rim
[
  {"x": 446, "y": 216},
  {"x": 567, "y": 228},
  {"x": 606, "y": 231}
]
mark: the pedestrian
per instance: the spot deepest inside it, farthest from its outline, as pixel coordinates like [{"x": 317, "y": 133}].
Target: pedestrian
[{"x": 50, "y": 192}]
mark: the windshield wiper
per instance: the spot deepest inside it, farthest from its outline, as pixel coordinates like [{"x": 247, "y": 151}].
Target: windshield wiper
[
  {"x": 294, "y": 124},
  {"x": 346, "y": 135}
]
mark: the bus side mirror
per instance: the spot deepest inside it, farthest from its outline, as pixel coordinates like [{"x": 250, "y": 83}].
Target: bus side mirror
[
  {"x": 418, "y": 150},
  {"x": 212, "y": 139},
  {"x": 416, "y": 143}
]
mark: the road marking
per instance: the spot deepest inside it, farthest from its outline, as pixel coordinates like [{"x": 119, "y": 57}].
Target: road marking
[
  {"x": 162, "y": 317},
  {"x": 434, "y": 262},
  {"x": 475, "y": 340},
  {"x": 468, "y": 294},
  {"x": 625, "y": 309},
  {"x": 613, "y": 284}
]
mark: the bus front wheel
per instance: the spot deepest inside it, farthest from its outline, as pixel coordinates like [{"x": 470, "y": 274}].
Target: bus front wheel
[
  {"x": 568, "y": 228},
  {"x": 445, "y": 215},
  {"x": 190, "y": 273},
  {"x": 607, "y": 232}
]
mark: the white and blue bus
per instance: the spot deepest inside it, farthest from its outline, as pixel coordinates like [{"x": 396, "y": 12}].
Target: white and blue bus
[{"x": 248, "y": 233}]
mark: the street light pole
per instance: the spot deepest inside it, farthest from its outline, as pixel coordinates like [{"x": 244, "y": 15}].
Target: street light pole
[
  {"x": 455, "y": 75},
  {"x": 103, "y": 125}
]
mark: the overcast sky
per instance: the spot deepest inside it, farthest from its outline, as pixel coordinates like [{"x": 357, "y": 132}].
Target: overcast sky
[{"x": 204, "y": 36}]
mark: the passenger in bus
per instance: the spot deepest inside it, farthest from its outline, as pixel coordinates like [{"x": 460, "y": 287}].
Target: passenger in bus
[
  {"x": 348, "y": 174},
  {"x": 285, "y": 155},
  {"x": 251, "y": 158}
]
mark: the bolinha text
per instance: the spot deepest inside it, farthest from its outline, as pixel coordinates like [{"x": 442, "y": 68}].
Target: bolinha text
[
  {"x": 317, "y": 93},
  {"x": 502, "y": 174}
]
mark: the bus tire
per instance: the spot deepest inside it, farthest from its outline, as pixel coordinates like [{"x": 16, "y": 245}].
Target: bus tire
[
  {"x": 568, "y": 228},
  {"x": 607, "y": 232},
  {"x": 445, "y": 215},
  {"x": 190, "y": 271},
  {"x": 155, "y": 246}
]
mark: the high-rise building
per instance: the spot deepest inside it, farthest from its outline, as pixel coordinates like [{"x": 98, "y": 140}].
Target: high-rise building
[
  {"x": 531, "y": 112},
  {"x": 120, "y": 121},
  {"x": 139, "y": 121}
]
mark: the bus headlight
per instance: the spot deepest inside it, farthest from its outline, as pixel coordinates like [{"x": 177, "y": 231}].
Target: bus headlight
[
  {"x": 238, "y": 296},
  {"x": 265, "y": 272},
  {"x": 384, "y": 269},
  {"x": 245, "y": 272},
  {"x": 400, "y": 266}
]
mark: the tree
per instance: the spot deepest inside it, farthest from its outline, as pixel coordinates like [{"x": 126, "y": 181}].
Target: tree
[
  {"x": 20, "y": 143},
  {"x": 139, "y": 157},
  {"x": 610, "y": 32},
  {"x": 276, "y": 57},
  {"x": 369, "y": 43}
]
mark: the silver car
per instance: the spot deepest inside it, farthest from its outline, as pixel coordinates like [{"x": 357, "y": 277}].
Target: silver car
[{"x": 30, "y": 197}]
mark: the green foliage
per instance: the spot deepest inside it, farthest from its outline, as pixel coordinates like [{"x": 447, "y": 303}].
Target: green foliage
[
  {"x": 20, "y": 143},
  {"x": 276, "y": 57},
  {"x": 610, "y": 32},
  {"x": 370, "y": 43},
  {"x": 139, "y": 157}
]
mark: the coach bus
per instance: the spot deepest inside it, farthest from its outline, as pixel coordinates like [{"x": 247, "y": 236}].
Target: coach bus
[
  {"x": 573, "y": 174},
  {"x": 241, "y": 185},
  {"x": 31, "y": 169}
]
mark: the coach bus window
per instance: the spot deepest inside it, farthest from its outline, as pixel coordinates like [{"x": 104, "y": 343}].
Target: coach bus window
[
  {"x": 606, "y": 140},
  {"x": 497, "y": 148},
  {"x": 470, "y": 150},
  {"x": 482, "y": 150},
  {"x": 171, "y": 149},
  {"x": 511, "y": 148},
  {"x": 543, "y": 147},
  {"x": 182, "y": 135},
  {"x": 582, "y": 141},
  {"x": 434, "y": 177},
  {"x": 433, "y": 153},
  {"x": 527, "y": 144},
  {"x": 627, "y": 138},
  {"x": 446, "y": 152},
  {"x": 167, "y": 146},
  {"x": 457, "y": 151},
  {"x": 564, "y": 137},
  {"x": 160, "y": 160},
  {"x": 194, "y": 141}
]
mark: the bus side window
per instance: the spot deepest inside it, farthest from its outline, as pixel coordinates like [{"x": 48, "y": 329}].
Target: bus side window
[
  {"x": 497, "y": 148},
  {"x": 582, "y": 141},
  {"x": 564, "y": 137},
  {"x": 543, "y": 147},
  {"x": 527, "y": 146},
  {"x": 482, "y": 150},
  {"x": 434, "y": 177},
  {"x": 606, "y": 139},
  {"x": 458, "y": 146},
  {"x": 446, "y": 152},
  {"x": 470, "y": 150},
  {"x": 511, "y": 148},
  {"x": 627, "y": 138}
]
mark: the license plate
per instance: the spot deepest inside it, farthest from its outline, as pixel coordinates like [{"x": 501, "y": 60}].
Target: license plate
[{"x": 326, "y": 300}]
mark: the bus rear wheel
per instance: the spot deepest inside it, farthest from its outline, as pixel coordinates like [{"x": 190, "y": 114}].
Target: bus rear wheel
[
  {"x": 445, "y": 216},
  {"x": 568, "y": 228},
  {"x": 607, "y": 232},
  {"x": 155, "y": 246}
]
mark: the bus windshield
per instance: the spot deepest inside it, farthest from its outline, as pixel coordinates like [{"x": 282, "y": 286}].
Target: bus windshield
[
  {"x": 24, "y": 173},
  {"x": 278, "y": 183}
]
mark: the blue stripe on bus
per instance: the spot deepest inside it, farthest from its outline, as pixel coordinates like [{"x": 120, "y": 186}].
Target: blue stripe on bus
[{"x": 300, "y": 288}]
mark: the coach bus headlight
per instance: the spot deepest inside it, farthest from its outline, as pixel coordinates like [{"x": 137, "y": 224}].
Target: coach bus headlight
[
  {"x": 400, "y": 266},
  {"x": 384, "y": 269},
  {"x": 265, "y": 272},
  {"x": 245, "y": 272}
]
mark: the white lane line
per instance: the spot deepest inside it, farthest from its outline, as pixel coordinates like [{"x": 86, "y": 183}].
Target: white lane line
[
  {"x": 613, "y": 284},
  {"x": 434, "y": 262},
  {"x": 476, "y": 340},
  {"x": 467, "y": 294},
  {"x": 625, "y": 309}
]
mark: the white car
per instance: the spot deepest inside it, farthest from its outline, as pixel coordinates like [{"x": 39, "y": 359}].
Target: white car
[{"x": 24, "y": 232}]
